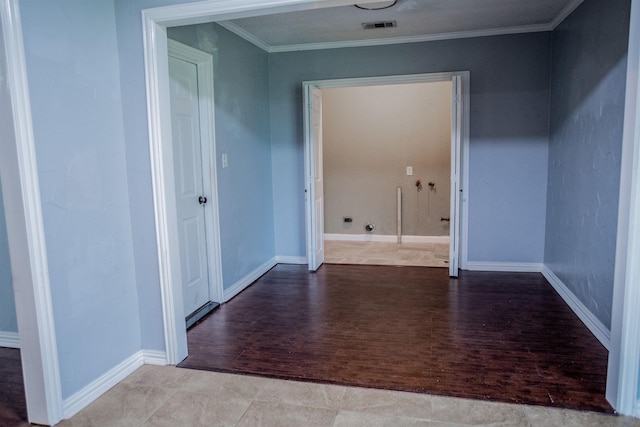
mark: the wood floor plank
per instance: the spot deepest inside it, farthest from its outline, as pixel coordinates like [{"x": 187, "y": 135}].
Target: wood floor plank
[
  {"x": 13, "y": 405},
  {"x": 493, "y": 336}
]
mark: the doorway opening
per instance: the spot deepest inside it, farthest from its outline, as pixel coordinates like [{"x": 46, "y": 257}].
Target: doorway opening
[
  {"x": 368, "y": 165},
  {"x": 387, "y": 167}
]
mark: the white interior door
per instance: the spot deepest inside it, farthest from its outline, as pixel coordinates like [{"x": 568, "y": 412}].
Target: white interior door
[
  {"x": 315, "y": 235},
  {"x": 456, "y": 138},
  {"x": 188, "y": 172}
]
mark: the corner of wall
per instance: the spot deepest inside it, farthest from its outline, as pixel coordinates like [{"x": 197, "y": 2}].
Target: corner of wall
[
  {"x": 601, "y": 332},
  {"x": 92, "y": 391},
  {"x": 9, "y": 339}
]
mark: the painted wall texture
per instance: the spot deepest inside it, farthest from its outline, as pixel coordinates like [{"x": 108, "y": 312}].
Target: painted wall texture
[
  {"x": 73, "y": 73},
  {"x": 8, "y": 321},
  {"x": 508, "y": 136},
  {"x": 587, "y": 109},
  {"x": 241, "y": 91},
  {"x": 370, "y": 135}
]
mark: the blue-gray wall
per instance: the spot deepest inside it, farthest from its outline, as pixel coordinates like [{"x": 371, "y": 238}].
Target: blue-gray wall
[
  {"x": 587, "y": 110},
  {"x": 73, "y": 73},
  {"x": 241, "y": 91},
  {"x": 508, "y": 135},
  {"x": 8, "y": 321}
]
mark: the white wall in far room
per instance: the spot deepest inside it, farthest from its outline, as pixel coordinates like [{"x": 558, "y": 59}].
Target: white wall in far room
[{"x": 371, "y": 134}]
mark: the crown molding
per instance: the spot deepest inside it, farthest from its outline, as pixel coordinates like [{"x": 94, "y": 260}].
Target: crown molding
[
  {"x": 565, "y": 12},
  {"x": 411, "y": 39},
  {"x": 239, "y": 31},
  {"x": 251, "y": 38}
]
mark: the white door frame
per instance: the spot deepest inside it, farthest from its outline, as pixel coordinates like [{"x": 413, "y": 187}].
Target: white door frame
[
  {"x": 164, "y": 194},
  {"x": 624, "y": 355},
  {"x": 25, "y": 229},
  {"x": 204, "y": 64},
  {"x": 155, "y": 22},
  {"x": 460, "y": 138}
]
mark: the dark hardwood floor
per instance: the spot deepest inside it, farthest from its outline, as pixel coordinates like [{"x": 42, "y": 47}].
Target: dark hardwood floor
[
  {"x": 13, "y": 405},
  {"x": 491, "y": 336}
]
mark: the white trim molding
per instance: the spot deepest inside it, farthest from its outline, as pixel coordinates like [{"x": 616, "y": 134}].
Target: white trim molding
[
  {"x": 282, "y": 259},
  {"x": 242, "y": 33},
  {"x": 512, "y": 267},
  {"x": 623, "y": 371},
  {"x": 247, "y": 280},
  {"x": 568, "y": 10},
  {"x": 25, "y": 230},
  {"x": 601, "y": 332},
  {"x": 384, "y": 238},
  {"x": 84, "y": 397},
  {"x": 9, "y": 339},
  {"x": 154, "y": 357},
  {"x": 156, "y": 59}
]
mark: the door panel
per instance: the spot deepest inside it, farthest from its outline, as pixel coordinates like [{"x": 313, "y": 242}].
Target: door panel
[
  {"x": 187, "y": 152},
  {"x": 454, "y": 214},
  {"x": 194, "y": 268},
  {"x": 317, "y": 178}
]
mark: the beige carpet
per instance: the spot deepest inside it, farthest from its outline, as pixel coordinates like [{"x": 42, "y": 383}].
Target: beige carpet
[{"x": 382, "y": 253}]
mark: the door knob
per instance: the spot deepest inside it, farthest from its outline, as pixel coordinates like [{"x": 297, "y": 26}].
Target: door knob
[{"x": 202, "y": 200}]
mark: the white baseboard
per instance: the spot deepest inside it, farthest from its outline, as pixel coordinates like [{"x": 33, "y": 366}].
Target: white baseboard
[
  {"x": 9, "y": 339},
  {"x": 385, "y": 238},
  {"x": 82, "y": 398},
  {"x": 291, "y": 259},
  {"x": 595, "y": 326},
  {"x": 512, "y": 267},
  {"x": 154, "y": 357},
  {"x": 242, "y": 284}
]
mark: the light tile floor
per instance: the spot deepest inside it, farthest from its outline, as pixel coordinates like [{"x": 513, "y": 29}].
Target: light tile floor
[
  {"x": 383, "y": 253},
  {"x": 169, "y": 396}
]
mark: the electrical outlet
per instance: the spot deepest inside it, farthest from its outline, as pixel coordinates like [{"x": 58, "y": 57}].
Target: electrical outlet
[
  {"x": 225, "y": 161},
  {"x": 409, "y": 170}
]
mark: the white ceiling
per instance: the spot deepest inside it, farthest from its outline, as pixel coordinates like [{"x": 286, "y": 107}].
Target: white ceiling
[{"x": 417, "y": 20}]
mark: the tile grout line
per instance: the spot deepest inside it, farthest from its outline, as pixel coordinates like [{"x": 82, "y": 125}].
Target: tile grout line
[
  {"x": 526, "y": 414},
  {"x": 172, "y": 394}
]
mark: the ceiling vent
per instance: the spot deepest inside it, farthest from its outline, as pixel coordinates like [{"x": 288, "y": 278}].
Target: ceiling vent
[{"x": 380, "y": 24}]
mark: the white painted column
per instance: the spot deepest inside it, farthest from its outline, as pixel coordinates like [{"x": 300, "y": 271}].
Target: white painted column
[
  {"x": 25, "y": 229},
  {"x": 623, "y": 371}
]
